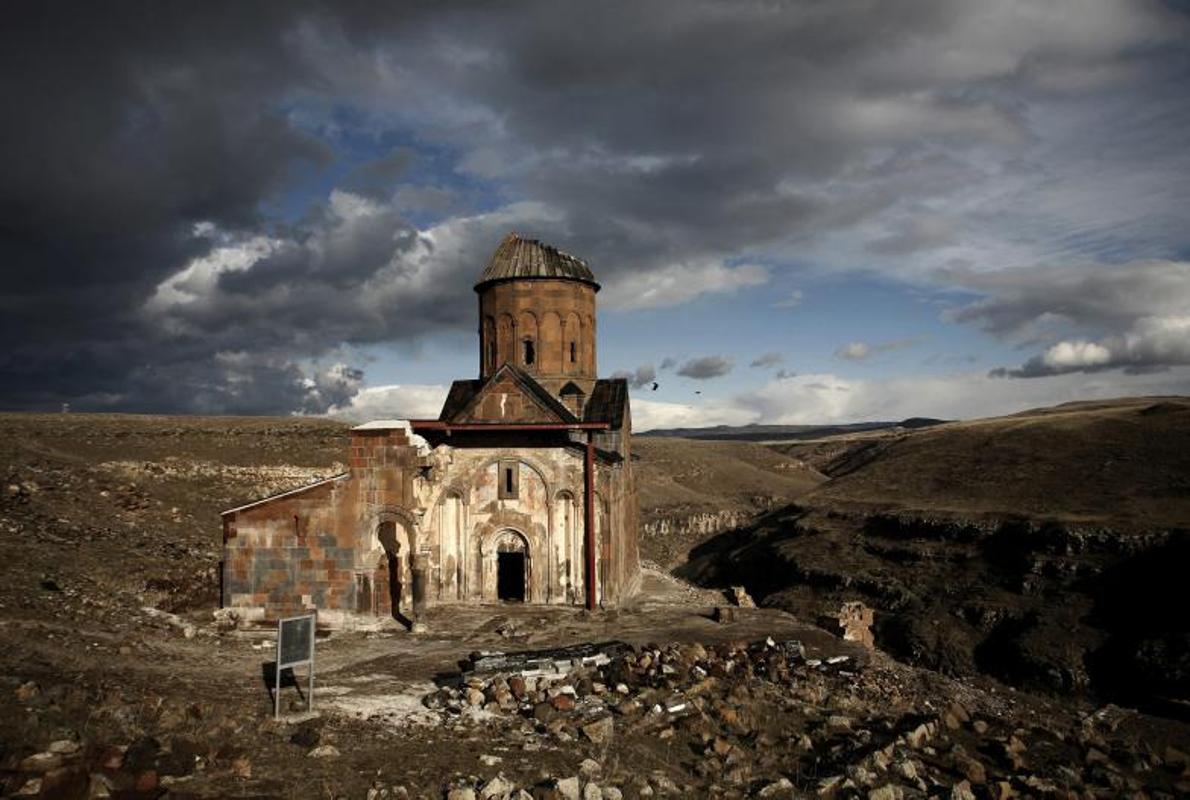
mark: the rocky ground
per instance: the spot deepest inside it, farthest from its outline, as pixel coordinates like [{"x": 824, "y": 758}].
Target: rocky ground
[
  {"x": 714, "y": 710},
  {"x": 116, "y": 680}
]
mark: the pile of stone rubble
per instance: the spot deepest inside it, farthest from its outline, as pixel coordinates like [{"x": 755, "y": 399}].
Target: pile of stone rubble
[{"x": 762, "y": 720}]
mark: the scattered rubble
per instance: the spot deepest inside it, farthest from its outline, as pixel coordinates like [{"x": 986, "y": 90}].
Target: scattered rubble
[
  {"x": 765, "y": 721},
  {"x": 855, "y": 624},
  {"x": 740, "y": 596}
]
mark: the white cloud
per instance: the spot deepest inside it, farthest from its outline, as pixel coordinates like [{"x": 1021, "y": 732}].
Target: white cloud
[
  {"x": 199, "y": 278},
  {"x": 854, "y": 351},
  {"x": 860, "y": 351},
  {"x": 828, "y": 398},
  {"x": 679, "y": 283},
  {"x": 1093, "y": 317},
  {"x": 1152, "y": 344},
  {"x": 651, "y": 414},
  {"x": 395, "y": 401},
  {"x": 1072, "y": 355}
]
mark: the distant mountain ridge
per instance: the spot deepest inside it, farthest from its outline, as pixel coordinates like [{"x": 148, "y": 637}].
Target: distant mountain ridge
[{"x": 763, "y": 433}]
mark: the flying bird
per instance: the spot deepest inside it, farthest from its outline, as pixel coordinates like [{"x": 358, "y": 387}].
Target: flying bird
[{"x": 655, "y": 385}]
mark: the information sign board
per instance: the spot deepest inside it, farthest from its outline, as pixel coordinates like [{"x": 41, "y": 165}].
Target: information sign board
[{"x": 295, "y": 648}]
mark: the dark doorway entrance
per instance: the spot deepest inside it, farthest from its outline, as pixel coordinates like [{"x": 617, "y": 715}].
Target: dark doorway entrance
[{"x": 510, "y": 576}]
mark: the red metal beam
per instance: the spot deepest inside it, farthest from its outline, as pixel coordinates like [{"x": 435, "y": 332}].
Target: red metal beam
[
  {"x": 589, "y": 526},
  {"x": 439, "y": 425}
]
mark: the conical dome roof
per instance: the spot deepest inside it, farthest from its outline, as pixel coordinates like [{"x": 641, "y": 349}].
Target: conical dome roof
[{"x": 518, "y": 258}]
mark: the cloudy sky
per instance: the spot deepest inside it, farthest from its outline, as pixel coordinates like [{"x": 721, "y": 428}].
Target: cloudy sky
[{"x": 800, "y": 212}]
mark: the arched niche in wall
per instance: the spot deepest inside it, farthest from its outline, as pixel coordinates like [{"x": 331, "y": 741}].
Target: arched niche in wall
[
  {"x": 572, "y": 353},
  {"x": 452, "y": 547},
  {"x": 550, "y": 343},
  {"x": 531, "y": 484},
  {"x": 505, "y": 340},
  {"x": 489, "y": 344},
  {"x": 527, "y": 342},
  {"x": 566, "y": 548}
]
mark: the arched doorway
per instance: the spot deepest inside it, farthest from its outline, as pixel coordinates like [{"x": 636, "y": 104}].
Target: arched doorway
[
  {"x": 391, "y": 587},
  {"x": 512, "y": 567}
]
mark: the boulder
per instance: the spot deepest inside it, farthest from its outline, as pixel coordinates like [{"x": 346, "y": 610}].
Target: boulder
[
  {"x": 496, "y": 788},
  {"x": 600, "y": 730},
  {"x": 740, "y": 596},
  {"x": 568, "y": 788}
]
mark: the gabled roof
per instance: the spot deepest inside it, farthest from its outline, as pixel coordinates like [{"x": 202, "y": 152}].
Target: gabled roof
[
  {"x": 457, "y": 398},
  {"x": 286, "y": 493},
  {"x": 608, "y": 401},
  {"x": 517, "y": 258},
  {"x": 461, "y": 405}
]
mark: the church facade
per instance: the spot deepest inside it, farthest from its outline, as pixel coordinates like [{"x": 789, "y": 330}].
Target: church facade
[{"x": 521, "y": 490}]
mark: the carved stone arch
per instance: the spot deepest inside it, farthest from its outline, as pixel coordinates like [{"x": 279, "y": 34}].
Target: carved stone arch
[
  {"x": 486, "y": 543},
  {"x": 384, "y": 562},
  {"x": 404, "y": 518},
  {"x": 514, "y": 565},
  {"x": 531, "y": 463},
  {"x": 452, "y": 489},
  {"x": 509, "y": 540}
]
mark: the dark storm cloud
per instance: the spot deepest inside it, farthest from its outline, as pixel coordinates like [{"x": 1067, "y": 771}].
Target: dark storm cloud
[
  {"x": 170, "y": 239},
  {"x": 706, "y": 367},
  {"x": 124, "y": 126}
]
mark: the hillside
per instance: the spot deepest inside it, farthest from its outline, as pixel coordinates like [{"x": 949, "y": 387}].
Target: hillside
[
  {"x": 1123, "y": 464},
  {"x": 781, "y": 433},
  {"x": 1045, "y": 548},
  {"x": 690, "y": 490}
]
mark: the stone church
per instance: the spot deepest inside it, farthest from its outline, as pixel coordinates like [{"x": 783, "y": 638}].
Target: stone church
[{"x": 521, "y": 491}]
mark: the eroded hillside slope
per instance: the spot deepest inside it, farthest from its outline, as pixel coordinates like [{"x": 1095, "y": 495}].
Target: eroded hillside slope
[
  {"x": 690, "y": 490},
  {"x": 1045, "y": 548}
]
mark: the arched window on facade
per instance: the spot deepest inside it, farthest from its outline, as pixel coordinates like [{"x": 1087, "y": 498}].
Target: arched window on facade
[
  {"x": 489, "y": 343},
  {"x": 528, "y": 353}
]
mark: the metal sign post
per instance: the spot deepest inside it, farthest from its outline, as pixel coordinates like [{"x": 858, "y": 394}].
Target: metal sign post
[{"x": 295, "y": 648}]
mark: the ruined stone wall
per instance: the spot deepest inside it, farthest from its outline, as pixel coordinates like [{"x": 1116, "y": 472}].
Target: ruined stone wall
[
  {"x": 292, "y": 555},
  {"x": 323, "y": 546}
]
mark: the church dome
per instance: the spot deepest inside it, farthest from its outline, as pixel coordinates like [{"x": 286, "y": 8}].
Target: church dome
[{"x": 518, "y": 258}]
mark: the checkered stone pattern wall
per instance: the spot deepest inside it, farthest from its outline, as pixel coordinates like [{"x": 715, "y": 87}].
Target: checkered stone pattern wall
[{"x": 317, "y": 547}]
